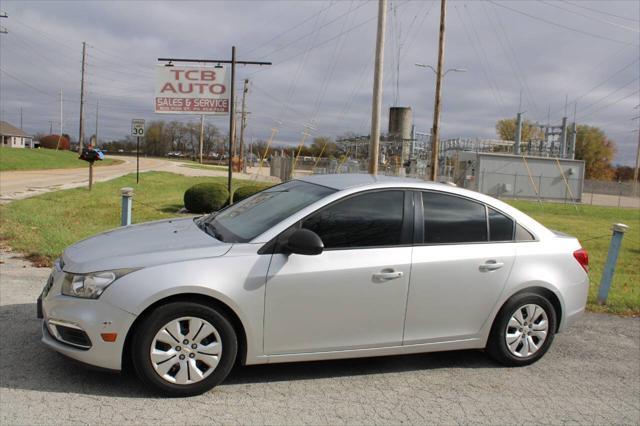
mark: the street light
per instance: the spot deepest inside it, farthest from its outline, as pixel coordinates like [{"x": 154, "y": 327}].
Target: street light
[{"x": 435, "y": 142}]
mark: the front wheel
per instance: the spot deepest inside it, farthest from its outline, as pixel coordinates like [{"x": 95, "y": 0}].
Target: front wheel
[
  {"x": 523, "y": 330},
  {"x": 184, "y": 349}
]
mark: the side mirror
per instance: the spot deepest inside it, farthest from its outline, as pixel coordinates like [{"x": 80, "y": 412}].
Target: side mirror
[{"x": 304, "y": 241}]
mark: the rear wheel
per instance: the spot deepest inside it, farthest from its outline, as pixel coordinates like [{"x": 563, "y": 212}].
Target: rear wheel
[
  {"x": 184, "y": 349},
  {"x": 523, "y": 330}
]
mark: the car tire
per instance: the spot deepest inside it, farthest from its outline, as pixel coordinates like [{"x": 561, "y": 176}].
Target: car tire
[
  {"x": 174, "y": 356},
  {"x": 518, "y": 340}
]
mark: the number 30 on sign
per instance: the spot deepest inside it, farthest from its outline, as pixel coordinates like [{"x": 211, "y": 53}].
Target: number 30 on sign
[{"x": 137, "y": 128}]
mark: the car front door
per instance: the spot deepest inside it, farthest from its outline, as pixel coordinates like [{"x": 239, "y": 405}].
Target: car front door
[
  {"x": 459, "y": 268},
  {"x": 353, "y": 294}
]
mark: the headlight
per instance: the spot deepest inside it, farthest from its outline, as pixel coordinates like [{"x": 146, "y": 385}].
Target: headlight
[{"x": 90, "y": 286}]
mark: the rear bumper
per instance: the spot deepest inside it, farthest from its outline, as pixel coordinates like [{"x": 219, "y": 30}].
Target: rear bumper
[
  {"x": 570, "y": 318},
  {"x": 575, "y": 302}
]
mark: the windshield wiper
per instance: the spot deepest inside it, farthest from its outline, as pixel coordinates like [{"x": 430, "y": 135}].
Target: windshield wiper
[{"x": 210, "y": 229}]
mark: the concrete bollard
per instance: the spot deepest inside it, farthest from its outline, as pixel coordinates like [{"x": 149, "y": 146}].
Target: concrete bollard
[
  {"x": 127, "y": 201},
  {"x": 612, "y": 257}
]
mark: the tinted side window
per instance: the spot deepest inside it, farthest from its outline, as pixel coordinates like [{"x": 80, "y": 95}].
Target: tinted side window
[
  {"x": 372, "y": 219},
  {"x": 450, "y": 219},
  {"x": 500, "y": 226}
]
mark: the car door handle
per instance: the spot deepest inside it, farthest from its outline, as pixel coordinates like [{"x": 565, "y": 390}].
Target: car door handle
[
  {"x": 491, "y": 265},
  {"x": 387, "y": 275}
]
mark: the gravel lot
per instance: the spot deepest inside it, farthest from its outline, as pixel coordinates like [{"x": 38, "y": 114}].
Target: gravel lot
[{"x": 590, "y": 376}]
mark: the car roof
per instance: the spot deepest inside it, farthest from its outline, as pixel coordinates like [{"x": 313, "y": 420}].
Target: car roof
[{"x": 347, "y": 181}]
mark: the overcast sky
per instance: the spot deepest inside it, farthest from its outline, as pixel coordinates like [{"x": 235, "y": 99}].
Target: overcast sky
[{"x": 531, "y": 52}]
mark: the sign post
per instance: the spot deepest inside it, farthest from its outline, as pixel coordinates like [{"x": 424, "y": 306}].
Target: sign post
[{"x": 137, "y": 130}]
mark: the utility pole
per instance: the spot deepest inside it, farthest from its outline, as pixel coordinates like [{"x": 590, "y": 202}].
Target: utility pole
[
  {"x": 563, "y": 138},
  {"x": 232, "y": 122},
  {"x": 435, "y": 133},
  {"x": 97, "y": 112},
  {"x": 201, "y": 135},
  {"x": 574, "y": 134},
  {"x": 376, "y": 107},
  {"x": 81, "y": 132},
  {"x": 60, "y": 135},
  {"x": 232, "y": 129},
  {"x": 243, "y": 122},
  {"x": 2, "y": 29},
  {"x": 50, "y": 126},
  {"x": 518, "y": 138},
  {"x": 20, "y": 118},
  {"x": 635, "y": 171}
]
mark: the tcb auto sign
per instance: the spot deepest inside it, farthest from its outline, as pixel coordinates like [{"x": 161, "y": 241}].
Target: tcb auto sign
[{"x": 191, "y": 90}]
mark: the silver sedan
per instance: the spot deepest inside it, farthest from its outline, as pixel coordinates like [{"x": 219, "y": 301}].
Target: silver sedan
[{"x": 325, "y": 267}]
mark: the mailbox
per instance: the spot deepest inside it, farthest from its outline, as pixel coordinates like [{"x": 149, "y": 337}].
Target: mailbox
[{"x": 91, "y": 155}]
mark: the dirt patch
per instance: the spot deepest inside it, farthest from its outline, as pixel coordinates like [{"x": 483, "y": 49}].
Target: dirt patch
[{"x": 38, "y": 260}]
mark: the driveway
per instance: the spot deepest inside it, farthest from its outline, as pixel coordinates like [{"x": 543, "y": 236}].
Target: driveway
[
  {"x": 590, "y": 376},
  {"x": 15, "y": 185}
]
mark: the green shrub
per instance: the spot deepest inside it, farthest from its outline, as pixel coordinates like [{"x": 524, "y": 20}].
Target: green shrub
[
  {"x": 205, "y": 197},
  {"x": 247, "y": 191}
]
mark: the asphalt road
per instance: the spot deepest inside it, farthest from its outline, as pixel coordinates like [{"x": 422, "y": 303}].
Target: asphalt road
[{"x": 590, "y": 376}]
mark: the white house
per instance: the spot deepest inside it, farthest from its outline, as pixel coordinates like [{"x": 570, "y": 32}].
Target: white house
[{"x": 13, "y": 137}]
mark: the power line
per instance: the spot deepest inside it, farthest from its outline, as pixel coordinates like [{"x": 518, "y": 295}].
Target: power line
[
  {"x": 47, "y": 36},
  {"x": 304, "y": 21},
  {"x": 121, "y": 58},
  {"x": 484, "y": 55},
  {"x": 575, "y": 30},
  {"x": 610, "y": 104},
  {"x": 337, "y": 51},
  {"x": 294, "y": 84},
  {"x": 311, "y": 33},
  {"x": 610, "y": 93},
  {"x": 22, "y": 39},
  {"x": 322, "y": 43},
  {"x": 498, "y": 100},
  {"x": 519, "y": 72},
  {"x": 602, "y": 82},
  {"x": 369, "y": 66},
  {"x": 600, "y": 11},
  {"x": 37, "y": 89},
  {"x": 593, "y": 18},
  {"x": 28, "y": 59}
]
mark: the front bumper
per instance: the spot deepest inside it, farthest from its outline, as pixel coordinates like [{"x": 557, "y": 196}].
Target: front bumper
[{"x": 66, "y": 319}]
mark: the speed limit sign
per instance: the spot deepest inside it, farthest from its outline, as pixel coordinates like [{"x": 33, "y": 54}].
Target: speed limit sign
[{"x": 137, "y": 127}]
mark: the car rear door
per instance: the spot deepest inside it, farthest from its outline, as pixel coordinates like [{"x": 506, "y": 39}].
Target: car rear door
[
  {"x": 353, "y": 294},
  {"x": 460, "y": 264}
]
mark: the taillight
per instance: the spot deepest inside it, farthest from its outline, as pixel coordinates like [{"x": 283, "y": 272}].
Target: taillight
[{"x": 583, "y": 258}]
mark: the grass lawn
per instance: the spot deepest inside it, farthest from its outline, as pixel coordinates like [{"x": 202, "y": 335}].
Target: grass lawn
[
  {"x": 34, "y": 159},
  {"x": 43, "y": 226},
  {"x": 592, "y": 226}
]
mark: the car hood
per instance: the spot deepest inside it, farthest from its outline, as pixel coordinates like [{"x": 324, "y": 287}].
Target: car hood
[{"x": 143, "y": 245}]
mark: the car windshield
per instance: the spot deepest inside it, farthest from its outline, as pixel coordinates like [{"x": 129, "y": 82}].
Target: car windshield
[{"x": 252, "y": 216}]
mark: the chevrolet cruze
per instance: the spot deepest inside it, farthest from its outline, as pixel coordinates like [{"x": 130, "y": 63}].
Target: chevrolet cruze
[{"x": 323, "y": 267}]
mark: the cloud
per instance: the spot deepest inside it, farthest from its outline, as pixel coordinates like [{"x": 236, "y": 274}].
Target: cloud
[{"x": 505, "y": 53}]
